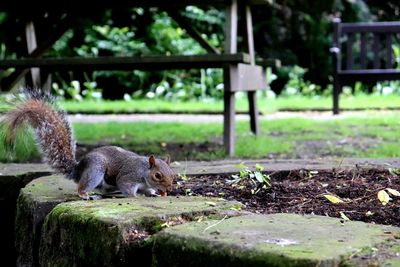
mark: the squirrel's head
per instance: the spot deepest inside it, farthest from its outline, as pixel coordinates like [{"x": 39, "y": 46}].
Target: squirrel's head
[{"x": 161, "y": 175}]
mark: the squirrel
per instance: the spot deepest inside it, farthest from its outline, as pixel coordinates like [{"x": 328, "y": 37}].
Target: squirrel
[{"x": 107, "y": 168}]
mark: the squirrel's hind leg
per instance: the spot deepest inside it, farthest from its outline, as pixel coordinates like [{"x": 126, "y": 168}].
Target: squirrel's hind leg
[{"x": 91, "y": 178}]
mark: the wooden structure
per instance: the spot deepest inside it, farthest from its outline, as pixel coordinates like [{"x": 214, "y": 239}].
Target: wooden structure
[
  {"x": 371, "y": 45},
  {"x": 240, "y": 70}
]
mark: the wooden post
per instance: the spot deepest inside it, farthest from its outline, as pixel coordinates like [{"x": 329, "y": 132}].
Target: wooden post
[
  {"x": 31, "y": 43},
  {"x": 335, "y": 50},
  {"x": 251, "y": 95},
  {"x": 229, "y": 95}
]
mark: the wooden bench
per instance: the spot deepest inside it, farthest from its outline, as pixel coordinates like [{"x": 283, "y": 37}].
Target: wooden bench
[
  {"x": 242, "y": 71},
  {"x": 367, "y": 52}
]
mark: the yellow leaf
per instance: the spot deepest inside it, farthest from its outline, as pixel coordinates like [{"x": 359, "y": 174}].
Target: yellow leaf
[
  {"x": 383, "y": 197},
  {"x": 369, "y": 213},
  {"x": 333, "y": 199},
  {"x": 212, "y": 204},
  {"x": 393, "y": 192},
  {"x": 343, "y": 216}
]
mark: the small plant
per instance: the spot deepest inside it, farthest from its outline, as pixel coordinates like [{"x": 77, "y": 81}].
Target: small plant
[
  {"x": 74, "y": 91},
  {"x": 256, "y": 178}
]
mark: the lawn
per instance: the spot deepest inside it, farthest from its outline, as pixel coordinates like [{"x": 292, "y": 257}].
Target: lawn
[
  {"x": 374, "y": 135},
  {"x": 265, "y": 105}
]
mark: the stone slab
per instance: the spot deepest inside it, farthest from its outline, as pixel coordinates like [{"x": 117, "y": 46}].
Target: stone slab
[
  {"x": 17, "y": 169},
  {"x": 101, "y": 218},
  {"x": 114, "y": 232},
  {"x": 13, "y": 177},
  {"x": 35, "y": 201},
  {"x": 271, "y": 240},
  {"x": 229, "y": 166}
]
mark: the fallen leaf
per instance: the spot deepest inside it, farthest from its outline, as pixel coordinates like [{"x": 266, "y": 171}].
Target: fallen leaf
[
  {"x": 236, "y": 207},
  {"x": 383, "y": 197},
  {"x": 333, "y": 199},
  {"x": 343, "y": 216},
  {"x": 212, "y": 204},
  {"x": 393, "y": 192},
  {"x": 369, "y": 213}
]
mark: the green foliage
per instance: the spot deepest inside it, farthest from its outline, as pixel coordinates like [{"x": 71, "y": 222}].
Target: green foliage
[
  {"x": 296, "y": 84},
  {"x": 73, "y": 91},
  {"x": 298, "y": 32},
  {"x": 163, "y": 37},
  {"x": 256, "y": 178}
]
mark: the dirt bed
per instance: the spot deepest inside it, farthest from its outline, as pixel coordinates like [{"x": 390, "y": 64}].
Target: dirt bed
[{"x": 303, "y": 192}]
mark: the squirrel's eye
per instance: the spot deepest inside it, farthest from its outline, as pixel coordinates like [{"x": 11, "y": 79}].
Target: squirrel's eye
[{"x": 157, "y": 175}]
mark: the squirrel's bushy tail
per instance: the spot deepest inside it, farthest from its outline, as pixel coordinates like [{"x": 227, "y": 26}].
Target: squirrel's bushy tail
[{"x": 53, "y": 131}]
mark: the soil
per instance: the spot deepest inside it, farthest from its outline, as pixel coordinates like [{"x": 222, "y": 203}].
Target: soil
[{"x": 303, "y": 192}]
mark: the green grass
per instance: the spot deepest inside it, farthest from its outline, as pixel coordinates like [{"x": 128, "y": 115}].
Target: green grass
[
  {"x": 376, "y": 136},
  {"x": 265, "y": 105}
]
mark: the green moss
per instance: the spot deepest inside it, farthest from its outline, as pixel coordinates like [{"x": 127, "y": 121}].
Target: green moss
[
  {"x": 275, "y": 240},
  {"x": 51, "y": 188},
  {"x": 77, "y": 238},
  {"x": 112, "y": 230}
]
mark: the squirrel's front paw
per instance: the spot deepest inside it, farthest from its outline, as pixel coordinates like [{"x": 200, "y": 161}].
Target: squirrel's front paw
[
  {"x": 86, "y": 196},
  {"x": 152, "y": 194}
]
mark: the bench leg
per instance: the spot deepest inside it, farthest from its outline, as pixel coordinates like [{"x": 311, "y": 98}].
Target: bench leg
[
  {"x": 229, "y": 123},
  {"x": 32, "y": 45},
  {"x": 253, "y": 112},
  {"x": 336, "y": 92},
  {"x": 46, "y": 87}
]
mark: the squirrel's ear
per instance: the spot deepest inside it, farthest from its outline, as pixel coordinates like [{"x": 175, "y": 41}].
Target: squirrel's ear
[
  {"x": 152, "y": 161},
  {"x": 168, "y": 160}
]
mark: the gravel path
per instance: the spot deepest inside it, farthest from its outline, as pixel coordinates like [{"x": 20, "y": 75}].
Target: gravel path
[{"x": 196, "y": 118}]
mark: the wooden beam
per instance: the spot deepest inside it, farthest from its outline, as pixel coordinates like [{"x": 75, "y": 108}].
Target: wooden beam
[
  {"x": 182, "y": 22},
  {"x": 376, "y": 27},
  {"x": 31, "y": 44},
  {"x": 249, "y": 34},
  {"x": 129, "y": 63},
  {"x": 53, "y": 35},
  {"x": 251, "y": 95},
  {"x": 231, "y": 30},
  {"x": 246, "y": 77}
]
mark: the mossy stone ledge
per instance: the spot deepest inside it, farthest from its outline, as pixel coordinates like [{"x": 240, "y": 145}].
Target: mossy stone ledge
[
  {"x": 35, "y": 201},
  {"x": 272, "y": 240},
  {"x": 12, "y": 178},
  {"x": 115, "y": 232}
]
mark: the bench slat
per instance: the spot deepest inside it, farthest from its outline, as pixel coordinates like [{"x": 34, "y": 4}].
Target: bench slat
[
  {"x": 350, "y": 58},
  {"x": 127, "y": 63},
  {"x": 378, "y": 27},
  {"x": 363, "y": 51},
  {"x": 369, "y": 75},
  {"x": 376, "y": 51},
  {"x": 389, "y": 55}
]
